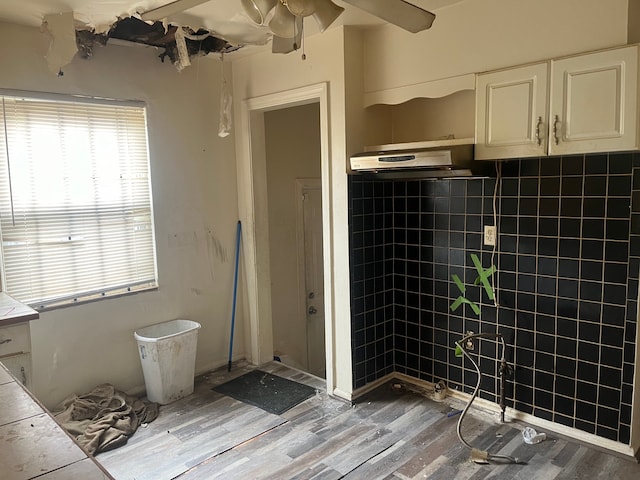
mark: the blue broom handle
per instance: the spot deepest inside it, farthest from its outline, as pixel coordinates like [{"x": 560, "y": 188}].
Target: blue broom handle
[{"x": 235, "y": 293}]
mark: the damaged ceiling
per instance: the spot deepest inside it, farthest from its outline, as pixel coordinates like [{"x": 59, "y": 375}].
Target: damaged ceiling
[
  {"x": 155, "y": 34},
  {"x": 197, "y": 27}
]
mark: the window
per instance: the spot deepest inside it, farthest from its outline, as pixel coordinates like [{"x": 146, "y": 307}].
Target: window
[{"x": 75, "y": 199}]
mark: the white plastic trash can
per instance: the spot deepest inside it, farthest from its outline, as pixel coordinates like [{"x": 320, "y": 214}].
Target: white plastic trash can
[{"x": 168, "y": 356}]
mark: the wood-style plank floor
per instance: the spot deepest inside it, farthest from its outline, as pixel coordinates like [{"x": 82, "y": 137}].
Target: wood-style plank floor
[{"x": 385, "y": 435}]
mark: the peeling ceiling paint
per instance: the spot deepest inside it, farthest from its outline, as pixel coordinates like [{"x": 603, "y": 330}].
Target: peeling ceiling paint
[
  {"x": 219, "y": 26},
  {"x": 62, "y": 47},
  {"x": 225, "y": 18},
  {"x": 201, "y": 42}
]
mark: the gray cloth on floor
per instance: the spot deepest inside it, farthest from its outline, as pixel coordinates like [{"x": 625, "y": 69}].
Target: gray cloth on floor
[{"x": 104, "y": 418}]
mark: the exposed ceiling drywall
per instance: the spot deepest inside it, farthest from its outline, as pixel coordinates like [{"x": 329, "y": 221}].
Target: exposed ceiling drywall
[
  {"x": 227, "y": 25},
  {"x": 224, "y": 17}
]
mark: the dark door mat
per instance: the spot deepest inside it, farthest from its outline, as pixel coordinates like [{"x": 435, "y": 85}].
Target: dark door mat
[{"x": 266, "y": 391}]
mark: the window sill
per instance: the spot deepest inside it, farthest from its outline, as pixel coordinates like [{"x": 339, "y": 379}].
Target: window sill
[{"x": 85, "y": 299}]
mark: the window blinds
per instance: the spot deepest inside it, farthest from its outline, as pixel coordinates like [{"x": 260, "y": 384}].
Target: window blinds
[{"x": 75, "y": 200}]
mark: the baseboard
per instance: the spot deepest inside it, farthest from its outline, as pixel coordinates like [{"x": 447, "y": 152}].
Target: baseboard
[
  {"x": 141, "y": 390},
  {"x": 342, "y": 395},
  {"x": 215, "y": 365},
  {"x": 358, "y": 392},
  {"x": 137, "y": 391},
  {"x": 591, "y": 439},
  {"x": 512, "y": 415}
]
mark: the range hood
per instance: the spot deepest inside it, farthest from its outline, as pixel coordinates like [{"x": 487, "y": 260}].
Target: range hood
[{"x": 447, "y": 158}]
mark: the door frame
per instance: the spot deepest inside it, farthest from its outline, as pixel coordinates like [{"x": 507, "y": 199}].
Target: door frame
[{"x": 253, "y": 211}]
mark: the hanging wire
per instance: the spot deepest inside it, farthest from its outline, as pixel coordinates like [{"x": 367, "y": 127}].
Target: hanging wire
[
  {"x": 222, "y": 79},
  {"x": 302, "y": 42},
  {"x": 496, "y": 218},
  {"x": 6, "y": 147}
]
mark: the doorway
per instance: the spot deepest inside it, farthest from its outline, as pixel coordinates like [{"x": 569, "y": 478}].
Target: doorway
[
  {"x": 294, "y": 198},
  {"x": 253, "y": 210}
]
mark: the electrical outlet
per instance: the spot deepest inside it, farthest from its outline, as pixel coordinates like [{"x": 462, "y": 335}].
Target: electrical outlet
[{"x": 490, "y": 235}]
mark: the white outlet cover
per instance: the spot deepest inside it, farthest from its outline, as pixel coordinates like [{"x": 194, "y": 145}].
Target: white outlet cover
[{"x": 490, "y": 235}]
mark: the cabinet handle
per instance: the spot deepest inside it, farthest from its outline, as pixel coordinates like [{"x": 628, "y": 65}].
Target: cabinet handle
[
  {"x": 24, "y": 376},
  {"x": 538, "y": 125},
  {"x": 556, "y": 121},
  {"x": 6, "y": 340}
]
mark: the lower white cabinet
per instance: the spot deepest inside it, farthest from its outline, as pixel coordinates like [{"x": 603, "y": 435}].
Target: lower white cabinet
[
  {"x": 15, "y": 351},
  {"x": 20, "y": 367}
]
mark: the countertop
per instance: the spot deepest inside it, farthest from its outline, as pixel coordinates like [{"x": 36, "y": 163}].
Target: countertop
[
  {"x": 12, "y": 311},
  {"x": 32, "y": 444}
]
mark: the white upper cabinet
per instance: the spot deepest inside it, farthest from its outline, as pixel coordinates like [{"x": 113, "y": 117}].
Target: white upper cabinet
[
  {"x": 594, "y": 102},
  {"x": 511, "y": 112},
  {"x": 580, "y": 104}
]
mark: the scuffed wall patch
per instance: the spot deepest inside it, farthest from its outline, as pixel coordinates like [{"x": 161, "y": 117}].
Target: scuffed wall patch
[{"x": 215, "y": 251}]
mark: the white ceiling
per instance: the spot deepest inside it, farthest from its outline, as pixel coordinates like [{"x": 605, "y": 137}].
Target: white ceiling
[{"x": 224, "y": 17}]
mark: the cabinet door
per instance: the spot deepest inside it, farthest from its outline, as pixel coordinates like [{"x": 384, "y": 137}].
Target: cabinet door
[
  {"x": 511, "y": 112},
  {"x": 20, "y": 367},
  {"x": 594, "y": 102},
  {"x": 15, "y": 339}
]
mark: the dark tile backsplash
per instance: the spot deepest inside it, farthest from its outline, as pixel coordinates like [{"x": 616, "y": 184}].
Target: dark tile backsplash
[{"x": 568, "y": 262}]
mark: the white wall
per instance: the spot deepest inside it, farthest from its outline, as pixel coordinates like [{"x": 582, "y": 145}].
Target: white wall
[
  {"x": 292, "y": 137},
  {"x": 194, "y": 196},
  {"x": 478, "y": 35}
]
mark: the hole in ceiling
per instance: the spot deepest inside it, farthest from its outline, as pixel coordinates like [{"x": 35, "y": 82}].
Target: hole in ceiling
[{"x": 131, "y": 29}]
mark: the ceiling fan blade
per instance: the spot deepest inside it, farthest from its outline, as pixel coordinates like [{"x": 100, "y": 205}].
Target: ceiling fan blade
[
  {"x": 283, "y": 22},
  {"x": 257, "y": 10},
  {"x": 171, "y": 9},
  {"x": 287, "y": 45},
  {"x": 403, "y": 14},
  {"x": 325, "y": 13},
  {"x": 301, "y": 8}
]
